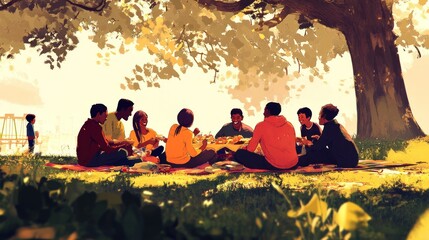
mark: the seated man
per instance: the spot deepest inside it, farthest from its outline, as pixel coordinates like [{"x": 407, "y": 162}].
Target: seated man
[
  {"x": 93, "y": 149},
  {"x": 335, "y": 146},
  {"x": 277, "y": 139},
  {"x": 310, "y": 131},
  {"x": 113, "y": 127},
  {"x": 236, "y": 126}
]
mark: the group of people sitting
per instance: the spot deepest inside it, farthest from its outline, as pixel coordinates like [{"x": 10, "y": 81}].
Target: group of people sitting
[{"x": 102, "y": 140}]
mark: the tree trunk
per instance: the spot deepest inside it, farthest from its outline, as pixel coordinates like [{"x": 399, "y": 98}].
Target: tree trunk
[{"x": 383, "y": 110}]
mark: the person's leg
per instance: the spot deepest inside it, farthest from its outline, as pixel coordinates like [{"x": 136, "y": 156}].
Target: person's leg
[
  {"x": 163, "y": 159},
  {"x": 205, "y": 156},
  {"x": 252, "y": 160},
  {"x": 157, "y": 151},
  {"x": 31, "y": 146},
  {"x": 117, "y": 158}
]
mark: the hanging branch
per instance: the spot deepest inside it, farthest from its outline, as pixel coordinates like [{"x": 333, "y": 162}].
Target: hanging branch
[
  {"x": 227, "y": 7},
  {"x": 97, "y": 8},
  {"x": 4, "y": 6},
  {"x": 278, "y": 18}
]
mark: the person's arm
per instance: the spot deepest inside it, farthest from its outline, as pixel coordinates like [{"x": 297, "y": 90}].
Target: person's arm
[
  {"x": 324, "y": 139},
  {"x": 254, "y": 141},
  {"x": 187, "y": 137}
]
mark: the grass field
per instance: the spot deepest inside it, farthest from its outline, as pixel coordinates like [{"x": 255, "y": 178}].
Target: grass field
[{"x": 216, "y": 206}]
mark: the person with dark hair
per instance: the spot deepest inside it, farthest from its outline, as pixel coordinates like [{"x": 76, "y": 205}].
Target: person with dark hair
[
  {"x": 335, "y": 145},
  {"x": 113, "y": 127},
  {"x": 235, "y": 127},
  {"x": 94, "y": 150},
  {"x": 310, "y": 131},
  {"x": 144, "y": 137},
  {"x": 179, "y": 149},
  {"x": 31, "y": 134},
  {"x": 276, "y": 137}
]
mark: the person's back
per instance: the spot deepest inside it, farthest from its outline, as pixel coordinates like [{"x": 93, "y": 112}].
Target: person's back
[
  {"x": 86, "y": 147},
  {"x": 335, "y": 146},
  {"x": 340, "y": 144},
  {"x": 277, "y": 139},
  {"x": 113, "y": 127}
]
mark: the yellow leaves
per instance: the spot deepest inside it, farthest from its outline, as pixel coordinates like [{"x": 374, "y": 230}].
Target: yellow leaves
[
  {"x": 261, "y": 36},
  {"x": 423, "y": 2},
  {"x": 351, "y": 217},
  {"x": 315, "y": 206},
  {"x": 421, "y": 228}
]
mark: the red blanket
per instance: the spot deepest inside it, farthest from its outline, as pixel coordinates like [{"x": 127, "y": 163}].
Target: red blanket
[{"x": 231, "y": 167}]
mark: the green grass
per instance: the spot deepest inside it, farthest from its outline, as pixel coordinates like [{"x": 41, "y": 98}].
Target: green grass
[{"x": 229, "y": 206}]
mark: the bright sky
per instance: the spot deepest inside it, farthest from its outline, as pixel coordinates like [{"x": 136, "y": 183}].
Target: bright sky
[{"x": 61, "y": 99}]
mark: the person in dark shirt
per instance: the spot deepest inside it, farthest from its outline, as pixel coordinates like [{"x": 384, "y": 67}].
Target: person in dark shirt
[
  {"x": 335, "y": 146},
  {"x": 236, "y": 126},
  {"x": 31, "y": 134},
  {"x": 94, "y": 150},
  {"x": 310, "y": 131}
]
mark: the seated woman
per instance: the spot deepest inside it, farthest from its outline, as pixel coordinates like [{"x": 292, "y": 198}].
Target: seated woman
[
  {"x": 179, "y": 149},
  {"x": 335, "y": 146},
  {"x": 144, "y": 137}
]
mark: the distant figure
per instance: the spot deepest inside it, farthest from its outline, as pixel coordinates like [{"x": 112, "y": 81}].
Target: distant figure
[
  {"x": 277, "y": 139},
  {"x": 335, "y": 146},
  {"x": 113, "y": 127},
  {"x": 144, "y": 137},
  {"x": 31, "y": 134},
  {"x": 310, "y": 131},
  {"x": 94, "y": 150},
  {"x": 236, "y": 126},
  {"x": 179, "y": 149}
]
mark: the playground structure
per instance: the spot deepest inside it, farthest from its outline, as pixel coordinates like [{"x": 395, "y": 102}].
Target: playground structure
[{"x": 13, "y": 130}]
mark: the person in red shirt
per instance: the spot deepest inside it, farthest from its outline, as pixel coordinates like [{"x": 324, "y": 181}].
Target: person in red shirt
[
  {"x": 94, "y": 150},
  {"x": 276, "y": 136}
]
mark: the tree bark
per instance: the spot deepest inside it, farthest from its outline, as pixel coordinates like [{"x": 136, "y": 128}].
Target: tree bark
[{"x": 383, "y": 110}]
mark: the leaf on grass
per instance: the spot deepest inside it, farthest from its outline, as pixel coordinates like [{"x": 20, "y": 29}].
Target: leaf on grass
[
  {"x": 351, "y": 217},
  {"x": 315, "y": 205},
  {"x": 421, "y": 227}
]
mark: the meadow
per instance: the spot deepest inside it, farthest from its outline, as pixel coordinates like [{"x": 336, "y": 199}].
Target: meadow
[{"x": 41, "y": 202}]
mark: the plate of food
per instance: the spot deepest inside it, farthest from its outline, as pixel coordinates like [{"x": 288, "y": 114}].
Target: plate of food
[{"x": 228, "y": 165}]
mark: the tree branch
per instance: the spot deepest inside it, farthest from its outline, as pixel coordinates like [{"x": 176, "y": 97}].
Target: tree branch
[
  {"x": 97, "y": 8},
  {"x": 332, "y": 15},
  {"x": 4, "y": 6},
  {"x": 227, "y": 6},
  {"x": 278, "y": 18}
]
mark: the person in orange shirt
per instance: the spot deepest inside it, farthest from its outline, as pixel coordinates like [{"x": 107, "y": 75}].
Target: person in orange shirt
[
  {"x": 179, "y": 149},
  {"x": 144, "y": 137},
  {"x": 277, "y": 139}
]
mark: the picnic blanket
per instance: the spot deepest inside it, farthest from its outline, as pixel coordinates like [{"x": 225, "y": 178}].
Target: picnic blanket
[{"x": 226, "y": 167}]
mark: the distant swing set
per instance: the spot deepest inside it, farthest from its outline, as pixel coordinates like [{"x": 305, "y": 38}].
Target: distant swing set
[{"x": 13, "y": 130}]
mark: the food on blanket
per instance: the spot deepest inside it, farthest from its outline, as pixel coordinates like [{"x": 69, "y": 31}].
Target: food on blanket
[
  {"x": 150, "y": 166},
  {"x": 211, "y": 169},
  {"x": 228, "y": 165}
]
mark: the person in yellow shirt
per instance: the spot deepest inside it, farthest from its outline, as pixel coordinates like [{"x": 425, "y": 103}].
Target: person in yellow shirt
[
  {"x": 179, "y": 149},
  {"x": 113, "y": 128},
  {"x": 144, "y": 137}
]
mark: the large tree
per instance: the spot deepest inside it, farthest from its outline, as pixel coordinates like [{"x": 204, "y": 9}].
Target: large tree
[{"x": 267, "y": 41}]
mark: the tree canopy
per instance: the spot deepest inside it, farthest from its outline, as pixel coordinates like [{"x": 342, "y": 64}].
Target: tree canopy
[{"x": 259, "y": 44}]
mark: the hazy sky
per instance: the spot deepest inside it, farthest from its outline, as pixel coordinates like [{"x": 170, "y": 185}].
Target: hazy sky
[{"x": 61, "y": 99}]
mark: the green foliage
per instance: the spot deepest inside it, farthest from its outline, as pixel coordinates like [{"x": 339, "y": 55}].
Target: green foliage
[{"x": 378, "y": 149}]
